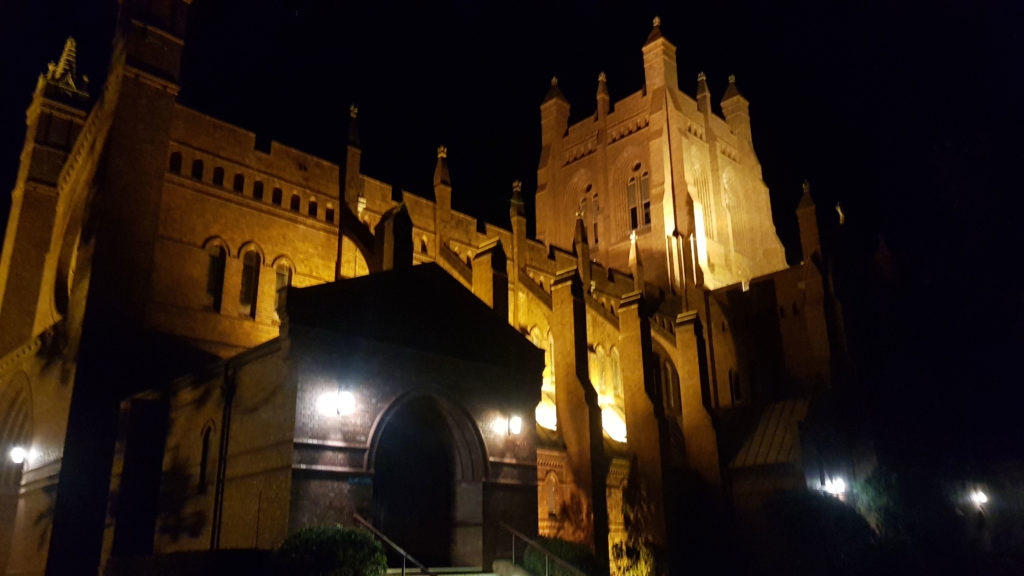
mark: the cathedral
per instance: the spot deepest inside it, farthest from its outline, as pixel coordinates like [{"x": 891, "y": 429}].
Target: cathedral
[{"x": 207, "y": 343}]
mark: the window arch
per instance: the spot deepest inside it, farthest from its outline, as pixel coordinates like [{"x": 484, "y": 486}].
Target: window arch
[
  {"x": 634, "y": 216},
  {"x": 239, "y": 183},
  {"x": 218, "y": 176},
  {"x": 638, "y": 194},
  {"x": 277, "y": 196},
  {"x": 257, "y": 190},
  {"x": 217, "y": 260},
  {"x": 295, "y": 202},
  {"x": 175, "y": 166},
  {"x": 312, "y": 209},
  {"x": 329, "y": 214},
  {"x": 251, "y": 263},
  {"x": 197, "y": 169}
]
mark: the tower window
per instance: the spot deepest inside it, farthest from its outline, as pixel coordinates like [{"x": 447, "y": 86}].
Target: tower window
[
  {"x": 595, "y": 232},
  {"x": 176, "y": 163},
  {"x": 634, "y": 220},
  {"x": 284, "y": 280},
  {"x": 295, "y": 203},
  {"x": 239, "y": 183},
  {"x": 250, "y": 283},
  {"x": 218, "y": 176},
  {"x": 218, "y": 257},
  {"x": 645, "y": 199},
  {"x": 197, "y": 169},
  {"x": 257, "y": 190},
  {"x": 312, "y": 210},
  {"x": 330, "y": 214},
  {"x": 277, "y": 196}
]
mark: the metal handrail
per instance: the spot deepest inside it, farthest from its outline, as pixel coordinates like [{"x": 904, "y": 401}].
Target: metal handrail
[
  {"x": 405, "y": 555},
  {"x": 548, "y": 556}
]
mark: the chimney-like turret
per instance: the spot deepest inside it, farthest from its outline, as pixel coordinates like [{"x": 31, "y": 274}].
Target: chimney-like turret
[
  {"x": 659, "y": 60},
  {"x": 736, "y": 110},
  {"x": 603, "y": 100}
]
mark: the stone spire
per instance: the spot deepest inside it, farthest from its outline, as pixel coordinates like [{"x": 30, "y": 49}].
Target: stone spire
[
  {"x": 582, "y": 248},
  {"x": 441, "y": 176},
  {"x": 603, "y": 100},
  {"x": 703, "y": 93},
  {"x": 353, "y": 126},
  {"x": 731, "y": 92},
  {"x": 554, "y": 93},
  {"x": 518, "y": 208},
  {"x": 655, "y": 30},
  {"x": 63, "y": 76},
  {"x": 805, "y": 198}
]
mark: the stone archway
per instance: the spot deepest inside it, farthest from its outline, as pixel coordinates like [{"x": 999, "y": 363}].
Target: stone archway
[{"x": 428, "y": 463}]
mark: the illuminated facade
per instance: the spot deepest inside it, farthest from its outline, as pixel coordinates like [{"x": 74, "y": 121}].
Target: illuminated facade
[{"x": 148, "y": 243}]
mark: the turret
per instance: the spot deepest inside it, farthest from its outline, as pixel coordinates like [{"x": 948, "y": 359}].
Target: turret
[
  {"x": 603, "y": 100},
  {"x": 736, "y": 110},
  {"x": 154, "y": 34},
  {"x": 659, "y": 60},
  {"x": 703, "y": 95},
  {"x": 554, "y": 115},
  {"x": 53, "y": 122},
  {"x": 807, "y": 219},
  {"x": 353, "y": 160}
]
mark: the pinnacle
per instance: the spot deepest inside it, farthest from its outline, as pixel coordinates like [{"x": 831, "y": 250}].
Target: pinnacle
[
  {"x": 732, "y": 91},
  {"x": 554, "y": 93},
  {"x": 655, "y": 30}
]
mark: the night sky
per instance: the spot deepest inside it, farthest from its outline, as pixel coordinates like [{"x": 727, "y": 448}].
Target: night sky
[{"x": 907, "y": 115}]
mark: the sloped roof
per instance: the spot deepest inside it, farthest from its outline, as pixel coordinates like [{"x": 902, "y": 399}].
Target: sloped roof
[
  {"x": 422, "y": 307},
  {"x": 776, "y": 438}
]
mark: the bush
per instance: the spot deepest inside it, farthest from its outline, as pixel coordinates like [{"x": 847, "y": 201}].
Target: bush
[
  {"x": 331, "y": 551},
  {"x": 579, "y": 555}
]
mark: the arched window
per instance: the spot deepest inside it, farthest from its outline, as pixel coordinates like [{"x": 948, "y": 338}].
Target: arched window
[
  {"x": 176, "y": 163},
  {"x": 250, "y": 283},
  {"x": 423, "y": 245},
  {"x": 284, "y": 280},
  {"x": 312, "y": 210},
  {"x": 277, "y": 196},
  {"x": 197, "y": 169},
  {"x": 295, "y": 203},
  {"x": 257, "y": 190},
  {"x": 330, "y": 214},
  {"x": 204, "y": 459},
  {"x": 218, "y": 176},
  {"x": 218, "y": 258},
  {"x": 634, "y": 217},
  {"x": 645, "y": 199},
  {"x": 671, "y": 380},
  {"x": 239, "y": 183}
]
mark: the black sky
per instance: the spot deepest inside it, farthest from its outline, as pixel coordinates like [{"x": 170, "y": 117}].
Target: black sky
[{"x": 908, "y": 114}]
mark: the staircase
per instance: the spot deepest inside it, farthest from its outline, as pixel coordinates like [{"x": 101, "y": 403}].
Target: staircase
[{"x": 500, "y": 568}]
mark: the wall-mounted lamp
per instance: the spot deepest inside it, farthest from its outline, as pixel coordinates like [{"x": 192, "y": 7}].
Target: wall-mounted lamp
[
  {"x": 835, "y": 486},
  {"x": 340, "y": 403},
  {"x": 511, "y": 426},
  {"x": 979, "y": 498},
  {"x": 20, "y": 455},
  {"x": 515, "y": 425}
]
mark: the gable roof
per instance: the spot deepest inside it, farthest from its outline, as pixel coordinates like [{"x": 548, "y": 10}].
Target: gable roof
[{"x": 422, "y": 307}]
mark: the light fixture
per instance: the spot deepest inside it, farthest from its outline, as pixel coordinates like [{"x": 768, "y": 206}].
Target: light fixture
[
  {"x": 20, "y": 455},
  {"x": 979, "y": 498},
  {"x": 835, "y": 486},
  {"x": 499, "y": 425},
  {"x": 515, "y": 425},
  {"x": 341, "y": 403},
  {"x": 547, "y": 415}
]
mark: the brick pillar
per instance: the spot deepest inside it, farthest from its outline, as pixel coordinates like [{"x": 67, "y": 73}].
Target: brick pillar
[{"x": 579, "y": 417}]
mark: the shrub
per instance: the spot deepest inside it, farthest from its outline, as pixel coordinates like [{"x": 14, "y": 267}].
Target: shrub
[
  {"x": 579, "y": 555},
  {"x": 331, "y": 551}
]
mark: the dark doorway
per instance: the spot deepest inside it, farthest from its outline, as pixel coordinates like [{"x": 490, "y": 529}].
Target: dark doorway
[{"x": 413, "y": 486}]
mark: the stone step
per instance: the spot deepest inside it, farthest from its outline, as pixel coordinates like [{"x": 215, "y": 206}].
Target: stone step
[{"x": 442, "y": 570}]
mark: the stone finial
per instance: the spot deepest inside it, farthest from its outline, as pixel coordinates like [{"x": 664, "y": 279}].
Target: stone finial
[
  {"x": 517, "y": 187},
  {"x": 554, "y": 93},
  {"x": 64, "y": 74},
  {"x": 442, "y": 152},
  {"x": 554, "y": 81},
  {"x": 731, "y": 91},
  {"x": 701, "y": 77},
  {"x": 732, "y": 78},
  {"x": 353, "y": 111},
  {"x": 805, "y": 198},
  {"x": 579, "y": 212},
  {"x": 655, "y": 30},
  {"x": 806, "y": 187},
  {"x": 602, "y": 78}
]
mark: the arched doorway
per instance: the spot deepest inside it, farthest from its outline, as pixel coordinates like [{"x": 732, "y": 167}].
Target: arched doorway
[{"x": 414, "y": 485}]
